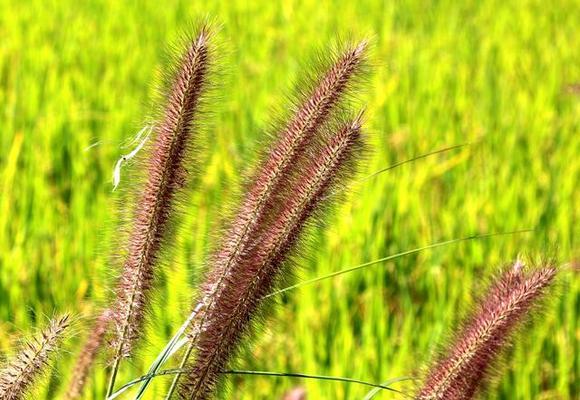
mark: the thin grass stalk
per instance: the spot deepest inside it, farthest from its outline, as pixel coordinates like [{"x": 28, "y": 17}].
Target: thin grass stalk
[
  {"x": 263, "y": 264},
  {"x": 392, "y": 257},
  {"x": 377, "y": 386},
  {"x": 20, "y": 374},
  {"x": 166, "y": 175},
  {"x": 463, "y": 370}
]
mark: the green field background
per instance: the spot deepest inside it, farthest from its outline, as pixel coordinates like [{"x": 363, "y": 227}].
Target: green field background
[{"x": 502, "y": 76}]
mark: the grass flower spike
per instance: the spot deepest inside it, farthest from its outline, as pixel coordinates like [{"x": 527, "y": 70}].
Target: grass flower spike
[
  {"x": 460, "y": 373},
  {"x": 21, "y": 373},
  {"x": 313, "y": 109},
  {"x": 166, "y": 173}
]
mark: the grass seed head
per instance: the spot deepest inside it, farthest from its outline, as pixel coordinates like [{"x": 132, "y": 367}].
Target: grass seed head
[
  {"x": 166, "y": 173},
  {"x": 463, "y": 369},
  {"x": 20, "y": 374},
  {"x": 88, "y": 355}
]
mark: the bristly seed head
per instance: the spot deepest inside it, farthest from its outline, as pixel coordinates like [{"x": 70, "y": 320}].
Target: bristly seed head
[
  {"x": 165, "y": 177},
  {"x": 461, "y": 372},
  {"x": 313, "y": 110},
  {"x": 20, "y": 374}
]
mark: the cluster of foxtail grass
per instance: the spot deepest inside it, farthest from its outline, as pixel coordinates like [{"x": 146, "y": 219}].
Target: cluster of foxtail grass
[
  {"x": 318, "y": 139},
  {"x": 312, "y": 150},
  {"x": 314, "y": 153},
  {"x": 259, "y": 267}
]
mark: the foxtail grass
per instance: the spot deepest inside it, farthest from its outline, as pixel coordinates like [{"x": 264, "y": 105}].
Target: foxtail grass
[
  {"x": 20, "y": 374},
  {"x": 312, "y": 111},
  {"x": 462, "y": 370},
  {"x": 166, "y": 173}
]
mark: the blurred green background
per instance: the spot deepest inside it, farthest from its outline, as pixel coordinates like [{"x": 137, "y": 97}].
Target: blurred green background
[{"x": 501, "y": 75}]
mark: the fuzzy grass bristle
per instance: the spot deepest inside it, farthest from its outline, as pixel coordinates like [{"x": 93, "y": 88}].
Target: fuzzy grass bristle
[
  {"x": 462, "y": 371},
  {"x": 20, "y": 374},
  {"x": 262, "y": 264}
]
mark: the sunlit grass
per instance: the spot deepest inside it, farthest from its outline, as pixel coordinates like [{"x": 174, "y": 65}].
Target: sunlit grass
[{"x": 493, "y": 74}]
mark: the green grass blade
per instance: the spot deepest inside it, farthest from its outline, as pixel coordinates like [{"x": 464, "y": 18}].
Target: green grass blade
[
  {"x": 311, "y": 376},
  {"x": 171, "y": 348},
  {"x": 410, "y": 160},
  {"x": 175, "y": 371},
  {"x": 394, "y": 256}
]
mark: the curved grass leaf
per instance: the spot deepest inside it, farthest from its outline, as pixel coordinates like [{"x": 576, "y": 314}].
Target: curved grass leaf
[
  {"x": 394, "y": 256},
  {"x": 148, "y": 377}
]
